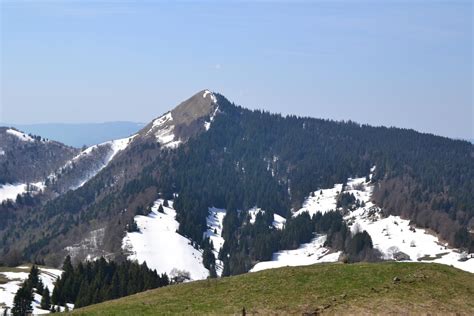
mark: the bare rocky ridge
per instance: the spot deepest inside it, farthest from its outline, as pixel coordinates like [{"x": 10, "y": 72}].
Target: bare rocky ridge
[{"x": 183, "y": 122}]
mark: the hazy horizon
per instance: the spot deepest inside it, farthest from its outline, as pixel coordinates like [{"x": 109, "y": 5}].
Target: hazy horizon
[
  {"x": 398, "y": 63},
  {"x": 72, "y": 140}
]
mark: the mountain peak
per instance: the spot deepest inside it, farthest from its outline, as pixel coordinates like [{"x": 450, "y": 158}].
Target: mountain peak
[
  {"x": 200, "y": 105},
  {"x": 209, "y": 94},
  {"x": 184, "y": 121}
]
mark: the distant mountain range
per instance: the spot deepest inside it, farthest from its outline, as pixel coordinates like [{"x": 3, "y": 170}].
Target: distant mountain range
[{"x": 78, "y": 135}]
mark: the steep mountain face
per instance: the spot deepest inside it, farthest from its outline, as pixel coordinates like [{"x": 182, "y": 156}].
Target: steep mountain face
[
  {"x": 183, "y": 122},
  {"x": 238, "y": 183},
  {"x": 28, "y": 158}
]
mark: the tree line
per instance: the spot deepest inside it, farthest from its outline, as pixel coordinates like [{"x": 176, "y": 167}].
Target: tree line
[
  {"x": 22, "y": 301},
  {"x": 94, "y": 282}
]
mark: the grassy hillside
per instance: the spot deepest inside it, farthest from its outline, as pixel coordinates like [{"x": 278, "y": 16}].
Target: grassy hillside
[{"x": 338, "y": 288}]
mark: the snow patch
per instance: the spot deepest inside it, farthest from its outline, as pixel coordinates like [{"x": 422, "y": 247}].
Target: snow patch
[
  {"x": 115, "y": 147},
  {"x": 162, "y": 120},
  {"x": 323, "y": 201},
  {"x": 215, "y": 221},
  {"x": 8, "y": 290},
  {"x": 10, "y": 191},
  {"x": 213, "y": 97},
  {"x": 161, "y": 247},
  {"x": 163, "y": 131},
  {"x": 207, "y": 125},
  {"x": 119, "y": 145},
  {"x": 307, "y": 254},
  {"x": 21, "y": 136},
  {"x": 278, "y": 221}
]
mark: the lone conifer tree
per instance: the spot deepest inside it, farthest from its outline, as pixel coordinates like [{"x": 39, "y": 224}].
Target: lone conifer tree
[
  {"x": 33, "y": 277},
  {"x": 22, "y": 301},
  {"x": 46, "y": 299}
]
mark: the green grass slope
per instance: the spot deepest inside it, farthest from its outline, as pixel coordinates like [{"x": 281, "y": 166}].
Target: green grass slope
[{"x": 328, "y": 288}]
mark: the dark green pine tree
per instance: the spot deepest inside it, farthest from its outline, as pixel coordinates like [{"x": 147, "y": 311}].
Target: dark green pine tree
[
  {"x": 22, "y": 301},
  {"x": 83, "y": 298},
  {"x": 33, "y": 277},
  {"x": 114, "y": 287},
  {"x": 209, "y": 260},
  {"x": 67, "y": 290},
  {"x": 226, "y": 270},
  {"x": 160, "y": 209},
  {"x": 165, "y": 203},
  {"x": 46, "y": 299},
  {"x": 132, "y": 226},
  {"x": 55, "y": 297},
  {"x": 67, "y": 266},
  {"x": 40, "y": 287}
]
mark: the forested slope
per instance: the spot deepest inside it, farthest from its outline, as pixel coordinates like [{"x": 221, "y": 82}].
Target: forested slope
[{"x": 252, "y": 158}]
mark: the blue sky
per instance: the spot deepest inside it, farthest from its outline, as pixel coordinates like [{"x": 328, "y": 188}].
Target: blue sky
[{"x": 400, "y": 63}]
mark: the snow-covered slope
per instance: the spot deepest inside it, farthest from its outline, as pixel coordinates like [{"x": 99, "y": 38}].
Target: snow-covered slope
[
  {"x": 11, "y": 191},
  {"x": 307, "y": 254},
  {"x": 159, "y": 244},
  {"x": 115, "y": 147},
  {"x": 163, "y": 128},
  {"x": 321, "y": 201},
  {"x": 21, "y": 136},
  {"x": 89, "y": 162},
  {"x": 215, "y": 221},
  {"x": 16, "y": 277},
  {"x": 278, "y": 220},
  {"x": 393, "y": 236}
]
